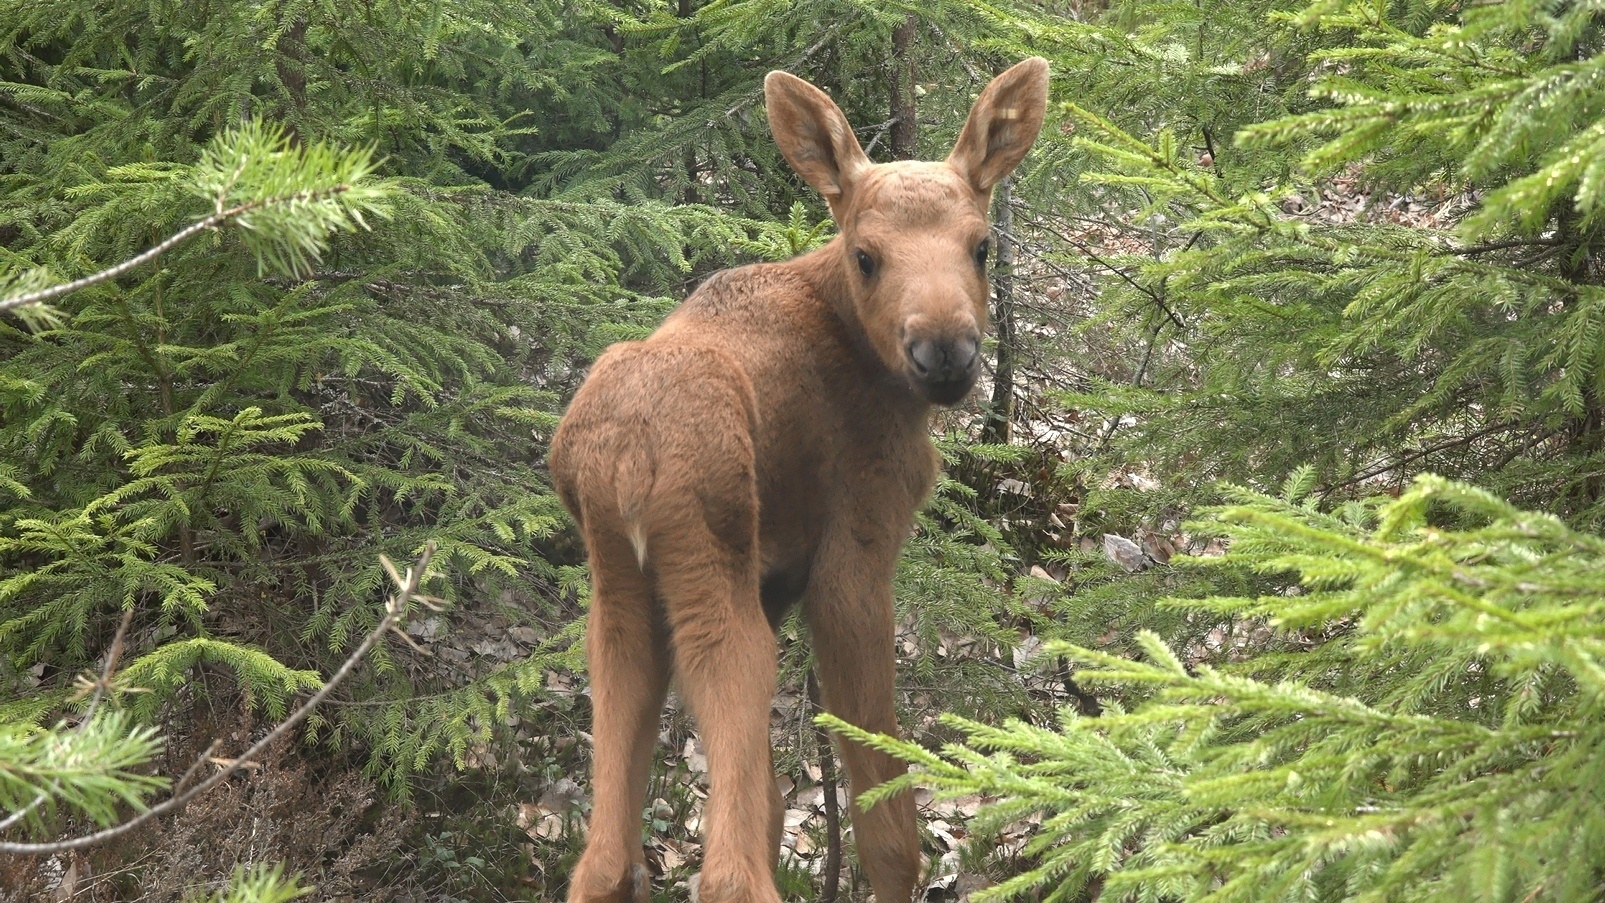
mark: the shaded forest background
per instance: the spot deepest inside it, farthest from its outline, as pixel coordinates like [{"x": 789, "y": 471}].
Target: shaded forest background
[{"x": 1182, "y": 621}]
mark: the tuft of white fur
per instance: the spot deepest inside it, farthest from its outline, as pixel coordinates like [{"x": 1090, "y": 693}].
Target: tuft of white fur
[
  {"x": 633, "y": 476},
  {"x": 638, "y": 542}
]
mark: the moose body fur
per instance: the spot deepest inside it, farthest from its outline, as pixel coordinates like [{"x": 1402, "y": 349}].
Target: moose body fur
[{"x": 766, "y": 447}]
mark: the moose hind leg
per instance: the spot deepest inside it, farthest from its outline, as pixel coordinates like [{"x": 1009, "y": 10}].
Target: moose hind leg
[
  {"x": 626, "y": 648},
  {"x": 724, "y": 664}
]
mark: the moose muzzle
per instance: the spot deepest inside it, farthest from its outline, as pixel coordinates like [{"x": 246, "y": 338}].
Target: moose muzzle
[{"x": 944, "y": 367}]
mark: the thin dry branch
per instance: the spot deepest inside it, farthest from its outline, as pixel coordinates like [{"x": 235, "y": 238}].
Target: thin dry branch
[
  {"x": 177, "y": 238},
  {"x": 1086, "y": 251},
  {"x": 793, "y": 68},
  {"x": 103, "y": 683},
  {"x": 827, "y": 781},
  {"x": 395, "y": 607},
  {"x": 100, "y": 686},
  {"x": 1418, "y": 454},
  {"x": 20, "y": 814}
]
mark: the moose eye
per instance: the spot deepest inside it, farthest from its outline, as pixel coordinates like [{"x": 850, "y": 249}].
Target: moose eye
[
  {"x": 866, "y": 263},
  {"x": 981, "y": 250}
]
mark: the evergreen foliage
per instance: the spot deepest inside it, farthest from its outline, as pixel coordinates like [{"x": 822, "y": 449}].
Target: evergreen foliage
[
  {"x": 220, "y": 439},
  {"x": 1419, "y": 720},
  {"x": 1265, "y": 242},
  {"x": 96, "y": 770},
  {"x": 1435, "y": 731},
  {"x": 93, "y": 769},
  {"x": 1369, "y": 345},
  {"x": 263, "y": 884}
]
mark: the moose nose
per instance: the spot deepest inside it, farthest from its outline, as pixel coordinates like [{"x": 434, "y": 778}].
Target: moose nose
[
  {"x": 943, "y": 359},
  {"x": 945, "y": 366}
]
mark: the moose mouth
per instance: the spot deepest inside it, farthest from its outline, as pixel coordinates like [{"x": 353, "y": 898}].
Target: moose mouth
[{"x": 945, "y": 392}]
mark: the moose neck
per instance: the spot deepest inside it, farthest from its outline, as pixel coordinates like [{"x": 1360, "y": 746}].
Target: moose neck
[{"x": 826, "y": 269}]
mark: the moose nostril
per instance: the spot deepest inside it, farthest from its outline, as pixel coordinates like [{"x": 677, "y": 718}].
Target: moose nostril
[
  {"x": 965, "y": 351},
  {"x": 924, "y": 355}
]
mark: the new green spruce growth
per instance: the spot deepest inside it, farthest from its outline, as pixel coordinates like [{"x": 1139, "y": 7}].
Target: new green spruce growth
[
  {"x": 219, "y": 439},
  {"x": 97, "y": 768},
  {"x": 100, "y": 770},
  {"x": 1438, "y": 734},
  {"x": 287, "y": 200},
  {"x": 1400, "y": 271},
  {"x": 221, "y": 446},
  {"x": 284, "y": 201},
  {"x": 94, "y": 770}
]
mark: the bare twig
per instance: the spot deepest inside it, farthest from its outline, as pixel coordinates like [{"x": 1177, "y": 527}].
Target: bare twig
[
  {"x": 195, "y": 766},
  {"x": 1142, "y": 372},
  {"x": 1092, "y": 255},
  {"x": 1209, "y": 148},
  {"x": 395, "y": 607},
  {"x": 18, "y": 815},
  {"x": 100, "y": 686},
  {"x": 833, "y": 819},
  {"x": 958, "y": 53},
  {"x": 172, "y": 241},
  {"x": 108, "y": 669},
  {"x": 1419, "y": 454},
  {"x": 880, "y": 132},
  {"x": 1087, "y": 703},
  {"x": 1489, "y": 247},
  {"x": 796, "y": 64}
]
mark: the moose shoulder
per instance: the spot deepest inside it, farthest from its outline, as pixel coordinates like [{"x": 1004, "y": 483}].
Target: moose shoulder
[{"x": 768, "y": 445}]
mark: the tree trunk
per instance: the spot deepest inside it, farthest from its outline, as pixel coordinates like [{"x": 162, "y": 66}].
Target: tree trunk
[
  {"x": 693, "y": 174},
  {"x": 290, "y": 65},
  {"x": 905, "y": 106},
  {"x": 1000, "y": 418}
]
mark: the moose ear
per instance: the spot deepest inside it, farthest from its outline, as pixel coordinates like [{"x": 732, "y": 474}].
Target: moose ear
[
  {"x": 1002, "y": 125},
  {"x": 814, "y": 135}
]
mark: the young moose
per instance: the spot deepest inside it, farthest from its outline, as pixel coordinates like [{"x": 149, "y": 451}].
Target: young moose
[{"x": 768, "y": 446}]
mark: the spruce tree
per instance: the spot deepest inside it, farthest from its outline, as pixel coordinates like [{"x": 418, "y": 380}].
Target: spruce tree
[
  {"x": 222, "y": 438},
  {"x": 1377, "y": 259},
  {"x": 1426, "y": 725},
  {"x": 1254, "y": 236}
]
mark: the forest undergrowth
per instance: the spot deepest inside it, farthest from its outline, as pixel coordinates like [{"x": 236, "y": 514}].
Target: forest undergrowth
[{"x": 1265, "y": 563}]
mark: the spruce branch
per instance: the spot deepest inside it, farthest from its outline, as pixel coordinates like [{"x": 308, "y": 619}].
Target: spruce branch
[
  {"x": 288, "y": 198},
  {"x": 408, "y": 586},
  {"x": 23, "y": 812},
  {"x": 100, "y": 686},
  {"x": 177, "y": 238}
]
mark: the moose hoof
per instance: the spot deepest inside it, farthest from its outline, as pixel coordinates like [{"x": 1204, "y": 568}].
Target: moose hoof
[
  {"x": 761, "y": 889},
  {"x": 634, "y": 887}
]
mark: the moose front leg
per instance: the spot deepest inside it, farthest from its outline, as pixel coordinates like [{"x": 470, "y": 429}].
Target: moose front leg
[{"x": 849, "y": 611}]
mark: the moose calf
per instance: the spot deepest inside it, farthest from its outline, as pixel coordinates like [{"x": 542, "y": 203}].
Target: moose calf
[{"x": 767, "y": 446}]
